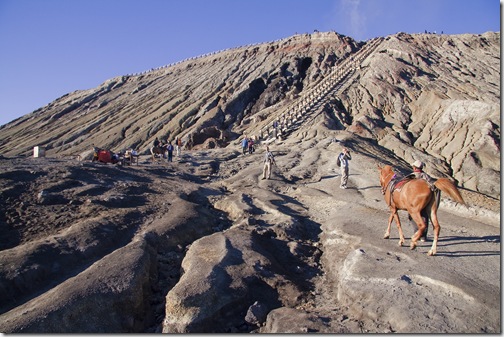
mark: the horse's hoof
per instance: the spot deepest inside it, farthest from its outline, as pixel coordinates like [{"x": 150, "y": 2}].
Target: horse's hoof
[
  {"x": 400, "y": 243},
  {"x": 386, "y": 236},
  {"x": 412, "y": 247},
  {"x": 431, "y": 253}
]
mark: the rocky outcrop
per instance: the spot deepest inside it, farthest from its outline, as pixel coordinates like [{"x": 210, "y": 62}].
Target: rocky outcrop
[
  {"x": 234, "y": 269},
  {"x": 84, "y": 303},
  {"x": 436, "y": 99}
]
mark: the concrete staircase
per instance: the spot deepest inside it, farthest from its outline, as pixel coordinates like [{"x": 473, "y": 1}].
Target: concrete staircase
[{"x": 311, "y": 102}]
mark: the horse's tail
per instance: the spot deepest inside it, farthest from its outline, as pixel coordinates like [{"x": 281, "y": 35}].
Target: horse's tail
[{"x": 445, "y": 185}]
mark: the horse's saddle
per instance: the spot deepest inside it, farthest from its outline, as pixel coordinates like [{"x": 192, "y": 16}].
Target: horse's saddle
[{"x": 398, "y": 182}]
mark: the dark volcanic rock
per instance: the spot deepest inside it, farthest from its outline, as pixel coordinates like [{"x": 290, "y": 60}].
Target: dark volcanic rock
[
  {"x": 256, "y": 313},
  {"x": 234, "y": 269}
]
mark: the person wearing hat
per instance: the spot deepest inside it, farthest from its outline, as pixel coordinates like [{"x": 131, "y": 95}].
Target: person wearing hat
[
  {"x": 419, "y": 173},
  {"x": 343, "y": 158}
]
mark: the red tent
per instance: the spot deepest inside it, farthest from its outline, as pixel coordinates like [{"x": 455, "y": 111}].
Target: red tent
[{"x": 105, "y": 156}]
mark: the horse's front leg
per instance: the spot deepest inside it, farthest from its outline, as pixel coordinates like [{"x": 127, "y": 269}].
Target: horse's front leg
[{"x": 399, "y": 228}]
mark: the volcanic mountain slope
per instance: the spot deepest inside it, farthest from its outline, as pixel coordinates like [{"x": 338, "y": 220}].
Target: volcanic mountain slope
[
  {"x": 214, "y": 90},
  {"x": 424, "y": 96}
]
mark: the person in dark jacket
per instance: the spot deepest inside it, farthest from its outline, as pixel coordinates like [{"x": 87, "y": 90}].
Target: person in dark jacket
[{"x": 169, "y": 148}]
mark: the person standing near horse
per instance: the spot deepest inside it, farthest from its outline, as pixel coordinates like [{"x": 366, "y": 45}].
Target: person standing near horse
[
  {"x": 269, "y": 160},
  {"x": 169, "y": 148},
  {"x": 157, "y": 149},
  {"x": 343, "y": 159},
  {"x": 162, "y": 145},
  {"x": 179, "y": 146}
]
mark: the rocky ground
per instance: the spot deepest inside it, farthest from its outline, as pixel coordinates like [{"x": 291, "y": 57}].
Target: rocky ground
[{"x": 203, "y": 244}]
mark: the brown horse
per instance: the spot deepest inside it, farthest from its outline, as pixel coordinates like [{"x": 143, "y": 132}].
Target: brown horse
[
  {"x": 414, "y": 196},
  {"x": 158, "y": 150}
]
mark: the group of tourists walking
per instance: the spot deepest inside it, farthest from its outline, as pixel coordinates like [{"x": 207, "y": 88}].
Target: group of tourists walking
[
  {"x": 248, "y": 147},
  {"x": 269, "y": 160}
]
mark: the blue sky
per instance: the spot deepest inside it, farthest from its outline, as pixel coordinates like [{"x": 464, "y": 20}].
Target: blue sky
[{"x": 52, "y": 47}]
